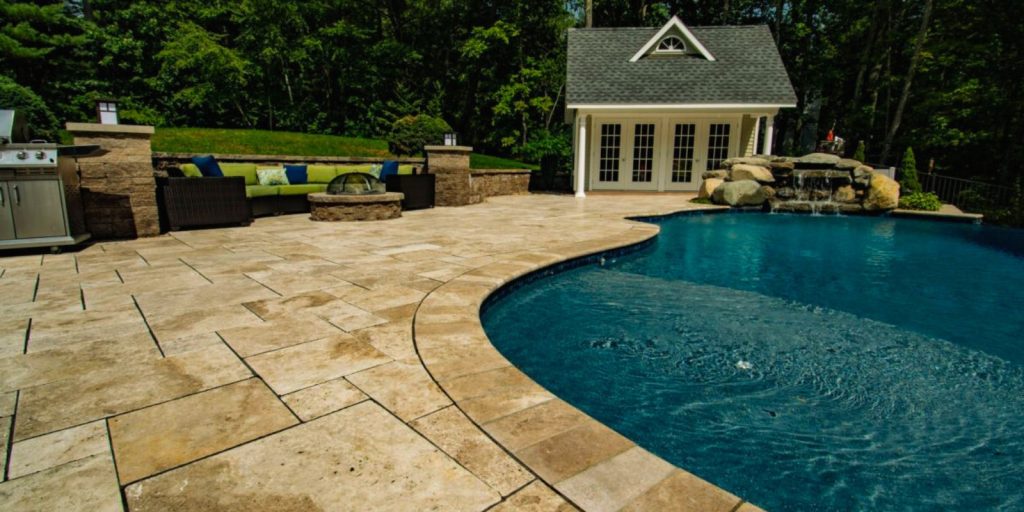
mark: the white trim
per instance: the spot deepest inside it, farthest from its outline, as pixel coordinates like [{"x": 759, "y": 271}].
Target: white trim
[
  {"x": 678, "y": 24},
  {"x": 678, "y": 106},
  {"x": 581, "y": 161}
]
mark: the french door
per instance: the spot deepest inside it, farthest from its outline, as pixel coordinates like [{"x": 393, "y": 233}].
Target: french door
[
  {"x": 626, "y": 154},
  {"x": 665, "y": 153},
  {"x": 695, "y": 146}
]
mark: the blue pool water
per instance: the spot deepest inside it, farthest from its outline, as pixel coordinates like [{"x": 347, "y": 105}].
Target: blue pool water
[{"x": 803, "y": 363}]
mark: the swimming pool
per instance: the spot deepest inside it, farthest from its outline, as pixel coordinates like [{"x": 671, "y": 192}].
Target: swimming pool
[{"x": 803, "y": 363}]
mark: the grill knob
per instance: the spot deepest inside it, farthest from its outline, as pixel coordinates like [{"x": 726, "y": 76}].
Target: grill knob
[
  {"x": 22, "y": 155},
  {"x": 40, "y": 155}
]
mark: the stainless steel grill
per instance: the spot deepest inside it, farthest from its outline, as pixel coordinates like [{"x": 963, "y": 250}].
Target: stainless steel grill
[{"x": 40, "y": 201}]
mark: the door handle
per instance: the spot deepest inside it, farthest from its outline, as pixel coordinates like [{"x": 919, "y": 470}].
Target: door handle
[{"x": 17, "y": 196}]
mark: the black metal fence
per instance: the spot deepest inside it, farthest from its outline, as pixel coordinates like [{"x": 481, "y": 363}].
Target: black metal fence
[{"x": 967, "y": 194}]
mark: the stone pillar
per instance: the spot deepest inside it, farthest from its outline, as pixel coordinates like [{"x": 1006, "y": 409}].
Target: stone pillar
[
  {"x": 453, "y": 184},
  {"x": 118, "y": 188}
]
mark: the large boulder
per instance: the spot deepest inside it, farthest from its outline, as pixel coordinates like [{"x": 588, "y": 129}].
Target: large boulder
[
  {"x": 845, "y": 194},
  {"x": 848, "y": 164},
  {"x": 748, "y": 160},
  {"x": 816, "y": 161},
  {"x": 739, "y": 193},
  {"x": 741, "y": 172},
  {"x": 883, "y": 194},
  {"x": 708, "y": 186},
  {"x": 862, "y": 176},
  {"x": 721, "y": 174}
]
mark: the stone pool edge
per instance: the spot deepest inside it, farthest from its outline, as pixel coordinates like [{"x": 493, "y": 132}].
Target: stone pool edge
[{"x": 584, "y": 460}]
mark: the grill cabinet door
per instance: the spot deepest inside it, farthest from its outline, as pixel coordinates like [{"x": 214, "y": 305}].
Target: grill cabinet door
[
  {"x": 37, "y": 207},
  {"x": 6, "y": 217}
]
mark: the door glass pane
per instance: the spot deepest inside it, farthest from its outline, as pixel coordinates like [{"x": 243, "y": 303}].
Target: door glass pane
[
  {"x": 682, "y": 153},
  {"x": 718, "y": 144},
  {"x": 643, "y": 152},
  {"x": 610, "y": 147}
]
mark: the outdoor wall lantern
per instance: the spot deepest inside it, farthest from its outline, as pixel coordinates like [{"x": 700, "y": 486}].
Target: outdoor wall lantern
[
  {"x": 106, "y": 111},
  {"x": 450, "y": 139}
]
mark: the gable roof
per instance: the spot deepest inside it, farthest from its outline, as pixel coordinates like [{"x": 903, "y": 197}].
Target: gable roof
[
  {"x": 674, "y": 26},
  {"x": 747, "y": 69}
]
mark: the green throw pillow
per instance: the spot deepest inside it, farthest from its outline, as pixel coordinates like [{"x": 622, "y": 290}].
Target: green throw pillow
[{"x": 271, "y": 177}]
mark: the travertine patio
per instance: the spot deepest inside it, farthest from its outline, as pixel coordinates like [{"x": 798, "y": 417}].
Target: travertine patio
[{"x": 275, "y": 367}]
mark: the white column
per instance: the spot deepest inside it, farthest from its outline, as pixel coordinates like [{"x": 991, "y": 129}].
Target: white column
[
  {"x": 757, "y": 133},
  {"x": 581, "y": 158},
  {"x": 769, "y": 131}
]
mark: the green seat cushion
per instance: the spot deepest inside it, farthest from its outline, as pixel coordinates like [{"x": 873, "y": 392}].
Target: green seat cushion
[
  {"x": 261, "y": 191},
  {"x": 320, "y": 173},
  {"x": 247, "y": 171},
  {"x": 405, "y": 169},
  {"x": 191, "y": 171},
  {"x": 295, "y": 190}
]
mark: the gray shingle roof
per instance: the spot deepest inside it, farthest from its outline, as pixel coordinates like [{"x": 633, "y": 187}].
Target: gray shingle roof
[{"x": 747, "y": 69}]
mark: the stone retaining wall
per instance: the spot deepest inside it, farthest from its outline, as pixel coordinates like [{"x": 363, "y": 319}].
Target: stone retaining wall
[{"x": 500, "y": 182}]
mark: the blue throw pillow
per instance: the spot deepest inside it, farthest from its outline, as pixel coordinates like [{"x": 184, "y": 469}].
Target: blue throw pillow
[
  {"x": 390, "y": 167},
  {"x": 297, "y": 174},
  {"x": 208, "y": 166}
]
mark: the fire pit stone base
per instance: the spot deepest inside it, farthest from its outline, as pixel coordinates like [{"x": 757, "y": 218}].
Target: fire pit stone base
[{"x": 327, "y": 207}]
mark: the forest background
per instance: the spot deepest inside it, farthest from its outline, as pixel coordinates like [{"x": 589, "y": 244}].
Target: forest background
[{"x": 945, "y": 77}]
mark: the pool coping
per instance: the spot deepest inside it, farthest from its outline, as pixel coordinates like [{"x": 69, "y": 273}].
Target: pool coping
[{"x": 585, "y": 461}]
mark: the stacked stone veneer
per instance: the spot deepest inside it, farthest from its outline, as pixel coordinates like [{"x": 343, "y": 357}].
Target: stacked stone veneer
[
  {"x": 118, "y": 188},
  {"x": 457, "y": 185},
  {"x": 453, "y": 185},
  {"x": 332, "y": 208},
  {"x": 500, "y": 182}
]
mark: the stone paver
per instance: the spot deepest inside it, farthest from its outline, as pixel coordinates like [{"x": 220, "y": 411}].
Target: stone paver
[
  {"x": 307, "y": 364},
  {"x": 322, "y": 399},
  {"x": 363, "y": 459},
  {"x": 404, "y": 388},
  {"x": 263, "y": 337},
  {"x": 87, "y": 484},
  {"x": 161, "y": 437},
  {"x": 65, "y": 403},
  {"x": 615, "y": 482},
  {"x": 58, "y": 448},
  {"x": 452, "y": 431},
  {"x": 535, "y": 497},
  {"x": 360, "y": 336}
]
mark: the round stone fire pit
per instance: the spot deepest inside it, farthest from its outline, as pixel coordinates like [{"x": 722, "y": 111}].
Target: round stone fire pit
[{"x": 348, "y": 207}]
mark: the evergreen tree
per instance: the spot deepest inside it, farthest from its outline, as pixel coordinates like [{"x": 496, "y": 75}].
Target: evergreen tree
[{"x": 909, "y": 184}]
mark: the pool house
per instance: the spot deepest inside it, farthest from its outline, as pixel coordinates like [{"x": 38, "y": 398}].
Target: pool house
[{"x": 655, "y": 108}]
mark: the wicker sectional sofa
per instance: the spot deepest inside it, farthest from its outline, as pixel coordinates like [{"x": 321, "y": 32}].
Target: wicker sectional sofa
[{"x": 198, "y": 201}]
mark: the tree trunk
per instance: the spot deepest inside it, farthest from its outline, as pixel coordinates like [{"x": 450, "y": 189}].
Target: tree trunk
[
  {"x": 894, "y": 127},
  {"x": 589, "y": 13},
  {"x": 780, "y": 8}
]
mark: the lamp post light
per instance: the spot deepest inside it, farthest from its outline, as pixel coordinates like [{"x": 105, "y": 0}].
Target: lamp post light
[
  {"x": 106, "y": 111},
  {"x": 450, "y": 139}
]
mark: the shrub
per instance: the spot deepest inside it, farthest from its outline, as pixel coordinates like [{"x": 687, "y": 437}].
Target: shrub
[
  {"x": 859, "y": 154},
  {"x": 926, "y": 201},
  {"x": 410, "y": 133},
  {"x": 909, "y": 184},
  {"x": 701, "y": 200},
  {"x": 40, "y": 120}
]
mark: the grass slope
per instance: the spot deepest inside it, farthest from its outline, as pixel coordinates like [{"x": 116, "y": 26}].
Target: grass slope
[{"x": 263, "y": 142}]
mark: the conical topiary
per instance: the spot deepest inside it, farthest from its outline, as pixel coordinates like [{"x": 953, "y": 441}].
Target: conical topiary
[{"x": 909, "y": 184}]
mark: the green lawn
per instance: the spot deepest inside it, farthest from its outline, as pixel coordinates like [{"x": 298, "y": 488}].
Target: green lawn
[{"x": 263, "y": 142}]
